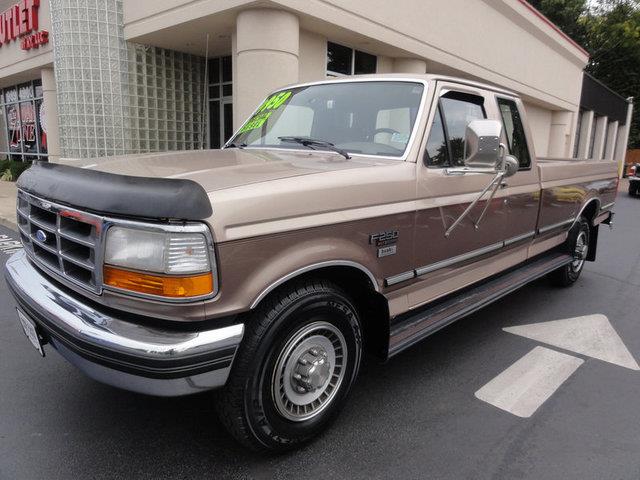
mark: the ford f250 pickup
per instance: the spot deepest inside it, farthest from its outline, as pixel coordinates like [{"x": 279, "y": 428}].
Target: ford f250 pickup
[{"x": 344, "y": 216}]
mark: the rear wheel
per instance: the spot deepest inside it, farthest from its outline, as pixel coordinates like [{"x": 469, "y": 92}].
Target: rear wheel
[
  {"x": 578, "y": 246},
  {"x": 633, "y": 188},
  {"x": 295, "y": 367}
]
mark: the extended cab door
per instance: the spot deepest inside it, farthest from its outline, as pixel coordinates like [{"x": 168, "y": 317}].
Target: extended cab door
[
  {"x": 443, "y": 261},
  {"x": 522, "y": 190}
]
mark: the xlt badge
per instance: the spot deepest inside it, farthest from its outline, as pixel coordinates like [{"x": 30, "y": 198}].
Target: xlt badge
[{"x": 386, "y": 251}]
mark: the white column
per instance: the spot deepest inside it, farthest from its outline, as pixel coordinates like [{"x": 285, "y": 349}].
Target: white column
[
  {"x": 409, "y": 65},
  {"x": 267, "y": 43},
  {"x": 612, "y": 133},
  {"x": 623, "y": 138},
  {"x": 50, "y": 102},
  {"x": 560, "y": 134},
  {"x": 601, "y": 135},
  {"x": 585, "y": 134}
]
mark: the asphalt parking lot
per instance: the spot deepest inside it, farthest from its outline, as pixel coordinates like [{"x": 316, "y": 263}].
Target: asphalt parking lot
[{"x": 414, "y": 417}]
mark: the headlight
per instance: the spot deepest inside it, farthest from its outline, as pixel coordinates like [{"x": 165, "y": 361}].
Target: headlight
[{"x": 167, "y": 264}]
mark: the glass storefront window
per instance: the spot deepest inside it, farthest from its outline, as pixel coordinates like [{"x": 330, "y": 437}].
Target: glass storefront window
[
  {"x": 28, "y": 123},
  {"x": 4, "y": 140},
  {"x": 22, "y": 123},
  {"x": 41, "y": 126},
  {"x": 343, "y": 60},
  {"x": 14, "y": 130}
]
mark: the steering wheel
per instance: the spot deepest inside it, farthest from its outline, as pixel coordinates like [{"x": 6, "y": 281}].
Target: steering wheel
[{"x": 384, "y": 130}]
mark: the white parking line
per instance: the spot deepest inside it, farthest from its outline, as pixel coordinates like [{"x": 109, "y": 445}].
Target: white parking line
[{"x": 523, "y": 387}]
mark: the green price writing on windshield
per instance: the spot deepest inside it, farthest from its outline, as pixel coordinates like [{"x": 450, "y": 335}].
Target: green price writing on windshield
[
  {"x": 274, "y": 101},
  {"x": 265, "y": 110}
]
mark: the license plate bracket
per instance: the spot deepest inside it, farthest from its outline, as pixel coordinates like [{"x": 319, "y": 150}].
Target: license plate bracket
[{"x": 31, "y": 331}]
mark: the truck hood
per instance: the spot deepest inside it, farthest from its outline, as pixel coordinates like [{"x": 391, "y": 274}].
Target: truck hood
[
  {"x": 251, "y": 191},
  {"x": 222, "y": 169}
]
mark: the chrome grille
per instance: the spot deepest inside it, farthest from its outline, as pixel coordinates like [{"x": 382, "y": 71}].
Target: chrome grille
[{"x": 62, "y": 240}]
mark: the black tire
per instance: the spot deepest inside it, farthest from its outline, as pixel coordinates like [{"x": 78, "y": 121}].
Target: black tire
[
  {"x": 578, "y": 245},
  {"x": 633, "y": 189},
  {"x": 248, "y": 406}
]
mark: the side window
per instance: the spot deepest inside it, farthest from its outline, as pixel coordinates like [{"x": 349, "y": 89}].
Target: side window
[
  {"x": 515, "y": 131},
  {"x": 437, "y": 149},
  {"x": 445, "y": 146},
  {"x": 458, "y": 110}
]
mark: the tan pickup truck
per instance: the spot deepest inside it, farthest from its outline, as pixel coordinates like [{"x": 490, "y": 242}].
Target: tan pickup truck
[{"x": 344, "y": 216}]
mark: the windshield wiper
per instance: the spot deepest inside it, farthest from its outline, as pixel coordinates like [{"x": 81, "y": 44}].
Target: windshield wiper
[
  {"x": 314, "y": 142},
  {"x": 233, "y": 145}
]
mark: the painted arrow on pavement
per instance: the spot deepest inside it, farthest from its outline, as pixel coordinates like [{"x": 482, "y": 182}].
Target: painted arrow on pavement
[{"x": 523, "y": 387}]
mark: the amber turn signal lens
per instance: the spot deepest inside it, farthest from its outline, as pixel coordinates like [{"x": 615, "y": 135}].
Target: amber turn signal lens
[{"x": 160, "y": 285}]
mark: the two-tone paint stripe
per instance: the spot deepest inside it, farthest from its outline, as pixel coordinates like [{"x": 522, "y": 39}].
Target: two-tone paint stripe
[
  {"x": 555, "y": 226},
  {"x": 458, "y": 259},
  {"x": 408, "y": 275}
]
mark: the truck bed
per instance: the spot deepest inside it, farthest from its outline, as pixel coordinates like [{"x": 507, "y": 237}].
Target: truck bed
[{"x": 568, "y": 184}]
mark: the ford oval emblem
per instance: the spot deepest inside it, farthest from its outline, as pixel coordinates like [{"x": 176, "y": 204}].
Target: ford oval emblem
[{"x": 41, "y": 236}]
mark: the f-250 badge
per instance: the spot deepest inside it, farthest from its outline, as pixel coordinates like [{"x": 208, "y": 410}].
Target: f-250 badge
[{"x": 385, "y": 241}]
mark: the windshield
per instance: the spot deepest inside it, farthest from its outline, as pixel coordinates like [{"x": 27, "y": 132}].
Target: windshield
[{"x": 371, "y": 118}]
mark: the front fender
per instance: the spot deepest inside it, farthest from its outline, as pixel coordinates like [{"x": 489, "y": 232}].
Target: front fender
[{"x": 249, "y": 269}]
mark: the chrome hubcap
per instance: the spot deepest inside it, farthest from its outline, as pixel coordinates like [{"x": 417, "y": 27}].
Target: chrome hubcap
[
  {"x": 309, "y": 371},
  {"x": 580, "y": 252},
  {"x": 312, "y": 371}
]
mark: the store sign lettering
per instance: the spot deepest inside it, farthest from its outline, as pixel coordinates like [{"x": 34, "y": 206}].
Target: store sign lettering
[
  {"x": 35, "y": 40},
  {"x": 21, "y": 21}
]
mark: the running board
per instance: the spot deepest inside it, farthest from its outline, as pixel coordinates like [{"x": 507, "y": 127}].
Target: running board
[{"x": 414, "y": 326}]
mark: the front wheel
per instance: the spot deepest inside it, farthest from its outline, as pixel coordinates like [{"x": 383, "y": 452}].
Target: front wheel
[
  {"x": 578, "y": 246},
  {"x": 634, "y": 187},
  {"x": 296, "y": 365}
]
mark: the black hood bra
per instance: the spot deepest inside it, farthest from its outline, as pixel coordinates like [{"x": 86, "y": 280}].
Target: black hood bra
[{"x": 122, "y": 195}]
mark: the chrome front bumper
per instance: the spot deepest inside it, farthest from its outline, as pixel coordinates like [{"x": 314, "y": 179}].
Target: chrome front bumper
[{"x": 117, "y": 351}]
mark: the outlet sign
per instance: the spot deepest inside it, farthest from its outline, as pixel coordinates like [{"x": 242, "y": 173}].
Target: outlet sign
[
  {"x": 34, "y": 40},
  {"x": 20, "y": 21}
]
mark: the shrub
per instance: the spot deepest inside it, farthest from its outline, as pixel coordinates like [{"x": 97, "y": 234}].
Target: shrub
[{"x": 10, "y": 170}]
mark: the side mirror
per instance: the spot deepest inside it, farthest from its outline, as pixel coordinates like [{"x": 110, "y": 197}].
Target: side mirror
[
  {"x": 484, "y": 154},
  {"x": 482, "y": 144},
  {"x": 510, "y": 165}
]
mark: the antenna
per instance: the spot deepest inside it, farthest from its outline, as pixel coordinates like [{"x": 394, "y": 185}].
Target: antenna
[{"x": 204, "y": 93}]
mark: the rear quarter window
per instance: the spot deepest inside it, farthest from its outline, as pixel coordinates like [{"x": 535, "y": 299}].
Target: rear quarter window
[{"x": 514, "y": 131}]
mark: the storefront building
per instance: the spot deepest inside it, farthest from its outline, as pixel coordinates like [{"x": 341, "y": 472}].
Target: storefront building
[{"x": 110, "y": 77}]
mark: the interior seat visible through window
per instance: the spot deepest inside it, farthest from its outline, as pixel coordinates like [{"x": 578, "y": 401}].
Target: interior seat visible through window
[{"x": 445, "y": 145}]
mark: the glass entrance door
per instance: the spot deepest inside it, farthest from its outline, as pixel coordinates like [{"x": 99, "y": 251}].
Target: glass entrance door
[{"x": 220, "y": 101}]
